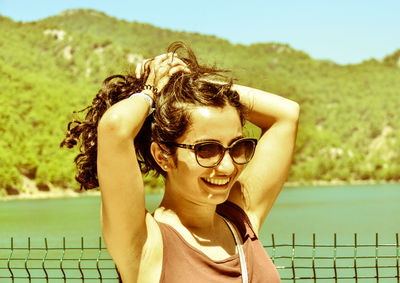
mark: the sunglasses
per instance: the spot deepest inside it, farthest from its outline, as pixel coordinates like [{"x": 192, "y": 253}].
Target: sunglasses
[{"x": 210, "y": 153}]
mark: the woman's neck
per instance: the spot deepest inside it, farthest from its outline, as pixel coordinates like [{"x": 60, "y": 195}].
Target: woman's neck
[{"x": 190, "y": 214}]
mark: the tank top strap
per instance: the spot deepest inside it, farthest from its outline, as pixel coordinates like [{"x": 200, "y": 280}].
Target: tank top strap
[{"x": 239, "y": 218}]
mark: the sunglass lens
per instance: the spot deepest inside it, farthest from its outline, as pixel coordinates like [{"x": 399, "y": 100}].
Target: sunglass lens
[
  {"x": 209, "y": 154},
  {"x": 243, "y": 151}
]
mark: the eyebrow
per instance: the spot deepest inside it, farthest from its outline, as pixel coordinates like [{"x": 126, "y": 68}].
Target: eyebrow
[{"x": 208, "y": 140}]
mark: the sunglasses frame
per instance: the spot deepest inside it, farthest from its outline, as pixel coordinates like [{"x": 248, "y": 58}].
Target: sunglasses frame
[{"x": 195, "y": 147}]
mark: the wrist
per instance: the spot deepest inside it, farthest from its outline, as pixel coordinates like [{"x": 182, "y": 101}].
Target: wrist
[
  {"x": 148, "y": 93},
  {"x": 148, "y": 98}
]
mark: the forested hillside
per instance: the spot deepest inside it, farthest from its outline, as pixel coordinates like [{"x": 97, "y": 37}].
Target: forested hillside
[{"x": 349, "y": 128}]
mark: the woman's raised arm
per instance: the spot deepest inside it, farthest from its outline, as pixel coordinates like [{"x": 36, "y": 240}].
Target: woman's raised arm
[
  {"x": 120, "y": 179},
  {"x": 263, "y": 178}
]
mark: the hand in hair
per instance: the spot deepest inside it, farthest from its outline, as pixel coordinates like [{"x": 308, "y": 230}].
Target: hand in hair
[{"x": 160, "y": 69}]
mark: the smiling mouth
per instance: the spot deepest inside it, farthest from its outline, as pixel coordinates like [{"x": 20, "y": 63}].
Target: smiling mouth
[{"x": 216, "y": 182}]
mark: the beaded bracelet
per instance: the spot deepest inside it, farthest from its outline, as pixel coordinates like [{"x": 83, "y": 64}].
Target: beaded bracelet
[
  {"x": 152, "y": 88},
  {"x": 148, "y": 98}
]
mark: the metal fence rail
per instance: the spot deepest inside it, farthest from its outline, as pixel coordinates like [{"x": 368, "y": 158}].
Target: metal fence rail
[{"x": 306, "y": 261}]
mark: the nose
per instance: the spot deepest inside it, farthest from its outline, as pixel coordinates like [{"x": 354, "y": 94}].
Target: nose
[{"x": 227, "y": 165}]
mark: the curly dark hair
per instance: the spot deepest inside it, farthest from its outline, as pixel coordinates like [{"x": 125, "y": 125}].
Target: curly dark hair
[{"x": 167, "y": 123}]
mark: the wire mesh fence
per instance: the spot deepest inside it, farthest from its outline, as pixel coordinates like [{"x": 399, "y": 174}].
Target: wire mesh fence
[
  {"x": 35, "y": 261},
  {"x": 305, "y": 261},
  {"x": 335, "y": 261}
]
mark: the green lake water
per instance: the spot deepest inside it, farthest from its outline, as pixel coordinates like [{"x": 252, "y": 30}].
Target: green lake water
[{"x": 345, "y": 210}]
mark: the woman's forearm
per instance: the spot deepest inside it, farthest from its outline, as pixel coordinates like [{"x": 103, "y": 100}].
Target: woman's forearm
[{"x": 266, "y": 109}]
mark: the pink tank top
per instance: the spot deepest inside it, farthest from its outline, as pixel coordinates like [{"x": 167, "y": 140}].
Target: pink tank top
[{"x": 184, "y": 263}]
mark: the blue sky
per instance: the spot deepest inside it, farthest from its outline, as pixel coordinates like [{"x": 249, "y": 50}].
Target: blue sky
[{"x": 343, "y": 31}]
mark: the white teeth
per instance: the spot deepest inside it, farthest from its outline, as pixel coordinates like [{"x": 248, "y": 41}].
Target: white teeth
[{"x": 219, "y": 182}]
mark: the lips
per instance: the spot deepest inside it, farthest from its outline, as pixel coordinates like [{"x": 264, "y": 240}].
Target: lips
[{"x": 217, "y": 181}]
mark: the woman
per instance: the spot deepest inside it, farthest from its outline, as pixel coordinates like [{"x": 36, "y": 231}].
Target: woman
[{"x": 206, "y": 227}]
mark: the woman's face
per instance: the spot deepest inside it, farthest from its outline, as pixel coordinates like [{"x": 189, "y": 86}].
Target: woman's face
[{"x": 194, "y": 182}]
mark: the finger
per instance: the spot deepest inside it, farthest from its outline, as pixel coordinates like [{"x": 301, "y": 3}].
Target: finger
[
  {"x": 160, "y": 58},
  {"x": 168, "y": 60},
  {"x": 176, "y": 61},
  {"x": 138, "y": 70},
  {"x": 173, "y": 57},
  {"x": 168, "y": 69},
  {"x": 157, "y": 62},
  {"x": 178, "y": 69},
  {"x": 146, "y": 65},
  {"x": 163, "y": 63}
]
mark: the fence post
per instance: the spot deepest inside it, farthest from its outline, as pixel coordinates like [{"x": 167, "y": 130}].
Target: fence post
[
  {"x": 44, "y": 258},
  {"x": 293, "y": 256},
  {"x": 97, "y": 261},
  {"x": 27, "y": 258},
  {"x": 79, "y": 261},
  {"x": 355, "y": 257},
  {"x": 397, "y": 257},
  {"x": 313, "y": 260},
  {"x": 273, "y": 247},
  {"x": 9, "y": 259},
  {"x": 376, "y": 257},
  {"x": 334, "y": 256},
  {"x": 61, "y": 261}
]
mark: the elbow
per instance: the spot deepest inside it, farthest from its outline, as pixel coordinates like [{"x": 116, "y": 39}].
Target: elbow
[
  {"x": 109, "y": 122},
  {"x": 296, "y": 111},
  {"x": 293, "y": 112},
  {"x": 112, "y": 124},
  {"x": 291, "y": 119}
]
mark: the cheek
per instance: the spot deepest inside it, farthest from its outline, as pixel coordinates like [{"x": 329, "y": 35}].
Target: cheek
[
  {"x": 185, "y": 156},
  {"x": 186, "y": 163}
]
